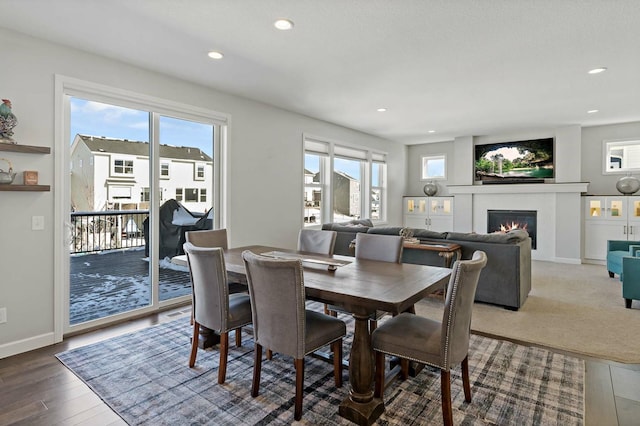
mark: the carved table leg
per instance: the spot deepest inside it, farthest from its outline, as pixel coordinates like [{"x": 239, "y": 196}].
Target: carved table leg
[{"x": 361, "y": 407}]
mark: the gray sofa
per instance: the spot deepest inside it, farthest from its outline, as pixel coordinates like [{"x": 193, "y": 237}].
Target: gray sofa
[{"x": 505, "y": 281}]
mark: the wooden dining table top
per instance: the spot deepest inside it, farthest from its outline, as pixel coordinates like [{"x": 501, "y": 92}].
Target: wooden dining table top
[{"x": 358, "y": 285}]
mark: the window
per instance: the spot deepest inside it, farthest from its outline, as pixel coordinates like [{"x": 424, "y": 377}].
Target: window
[
  {"x": 178, "y": 194},
  {"x": 434, "y": 167},
  {"x": 164, "y": 170},
  {"x": 199, "y": 172},
  {"x": 145, "y": 195},
  {"x": 621, "y": 156},
  {"x": 123, "y": 167},
  {"x": 191, "y": 194},
  {"x": 342, "y": 182},
  {"x": 203, "y": 195}
]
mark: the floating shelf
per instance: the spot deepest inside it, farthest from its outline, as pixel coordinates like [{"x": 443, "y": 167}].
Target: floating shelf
[
  {"x": 29, "y": 149},
  {"x": 32, "y": 188}
]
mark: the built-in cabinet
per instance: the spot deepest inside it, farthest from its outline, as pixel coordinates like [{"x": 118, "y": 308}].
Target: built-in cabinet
[
  {"x": 609, "y": 218},
  {"x": 433, "y": 213},
  {"x": 26, "y": 149}
]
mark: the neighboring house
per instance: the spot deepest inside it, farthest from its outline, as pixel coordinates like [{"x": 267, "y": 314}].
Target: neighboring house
[
  {"x": 346, "y": 195},
  {"x": 113, "y": 174}
]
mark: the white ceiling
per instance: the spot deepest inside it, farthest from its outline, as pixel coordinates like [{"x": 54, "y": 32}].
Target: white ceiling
[{"x": 459, "y": 67}]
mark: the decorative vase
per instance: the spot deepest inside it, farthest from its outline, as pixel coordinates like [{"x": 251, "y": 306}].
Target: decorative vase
[
  {"x": 430, "y": 189},
  {"x": 628, "y": 185}
]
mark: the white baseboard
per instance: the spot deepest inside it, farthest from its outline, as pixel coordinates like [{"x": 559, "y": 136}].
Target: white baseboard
[
  {"x": 26, "y": 345},
  {"x": 567, "y": 260}
]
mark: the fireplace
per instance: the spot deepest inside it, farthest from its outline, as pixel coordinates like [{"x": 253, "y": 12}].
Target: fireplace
[{"x": 505, "y": 220}]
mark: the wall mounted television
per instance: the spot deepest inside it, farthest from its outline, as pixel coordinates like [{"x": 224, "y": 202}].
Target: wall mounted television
[{"x": 529, "y": 161}]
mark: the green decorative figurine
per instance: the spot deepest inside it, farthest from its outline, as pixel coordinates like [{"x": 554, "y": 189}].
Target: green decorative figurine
[{"x": 7, "y": 122}]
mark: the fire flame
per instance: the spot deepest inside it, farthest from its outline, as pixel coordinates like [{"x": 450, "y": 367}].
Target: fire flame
[{"x": 514, "y": 225}]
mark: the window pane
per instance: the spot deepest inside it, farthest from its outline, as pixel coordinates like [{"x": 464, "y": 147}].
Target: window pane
[
  {"x": 312, "y": 189},
  {"x": 346, "y": 189},
  {"x": 434, "y": 167},
  {"x": 191, "y": 194}
]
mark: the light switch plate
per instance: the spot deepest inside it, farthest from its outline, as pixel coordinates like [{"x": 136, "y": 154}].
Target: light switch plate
[{"x": 37, "y": 223}]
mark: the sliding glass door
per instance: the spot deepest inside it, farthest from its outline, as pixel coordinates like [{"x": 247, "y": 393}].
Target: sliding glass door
[{"x": 139, "y": 179}]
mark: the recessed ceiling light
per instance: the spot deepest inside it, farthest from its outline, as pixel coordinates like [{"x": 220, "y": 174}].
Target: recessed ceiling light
[
  {"x": 432, "y": 131},
  {"x": 592, "y": 111},
  {"x": 215, "y": 55},
  {"x": 381, "y": 110},
  {"x": 597, "y": 70},
  {"x": 283, "y": 24}
]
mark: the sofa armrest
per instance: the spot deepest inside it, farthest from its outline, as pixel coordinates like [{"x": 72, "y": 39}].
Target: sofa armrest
[{"x": 634, "y": 250}]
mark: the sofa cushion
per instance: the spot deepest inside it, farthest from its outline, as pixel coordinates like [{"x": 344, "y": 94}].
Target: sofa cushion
[
  {"x": 422, "y": 234},
  {"x": 513, "y": 236},
  {"x": 360, "y": 225}
]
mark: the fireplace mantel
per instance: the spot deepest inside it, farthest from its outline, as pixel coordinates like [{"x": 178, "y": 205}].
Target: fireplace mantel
[{"x": 519, "y": 188}]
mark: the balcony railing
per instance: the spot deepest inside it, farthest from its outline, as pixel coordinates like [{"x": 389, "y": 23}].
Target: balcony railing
[{"x": 108, "y": 230}]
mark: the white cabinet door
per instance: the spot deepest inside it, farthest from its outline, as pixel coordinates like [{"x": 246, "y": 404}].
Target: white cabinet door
[
  {"x": 596, "y": 235},
  {"x": 415, "y": 221},
  {"x": 441, "y": 223}
]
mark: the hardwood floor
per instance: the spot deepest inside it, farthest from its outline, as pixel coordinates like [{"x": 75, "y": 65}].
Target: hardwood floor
[{"x": 36, "y": 389}]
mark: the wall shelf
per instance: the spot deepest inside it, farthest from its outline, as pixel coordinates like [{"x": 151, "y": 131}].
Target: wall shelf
[
  {"x": 29, "y": 149},
  {"x": 31, "y": 188}
]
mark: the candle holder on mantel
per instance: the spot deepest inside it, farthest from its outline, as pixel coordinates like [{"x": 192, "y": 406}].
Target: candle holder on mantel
[{"x": 628, "y": 185}]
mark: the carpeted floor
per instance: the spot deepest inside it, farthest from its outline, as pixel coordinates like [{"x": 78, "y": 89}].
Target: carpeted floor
[
  {"x": 576, "y": 308},
  {"x": 144, "y": 377}
]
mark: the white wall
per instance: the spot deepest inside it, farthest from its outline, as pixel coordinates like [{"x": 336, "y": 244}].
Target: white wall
[{"x": 264, "y": 164}]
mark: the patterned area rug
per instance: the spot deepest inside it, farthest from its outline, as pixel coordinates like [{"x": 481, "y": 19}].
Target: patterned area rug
[{"x": 144, "y": 377}]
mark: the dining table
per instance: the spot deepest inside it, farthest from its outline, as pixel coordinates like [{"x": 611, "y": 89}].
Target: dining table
[{"x": 361, "y": 287}]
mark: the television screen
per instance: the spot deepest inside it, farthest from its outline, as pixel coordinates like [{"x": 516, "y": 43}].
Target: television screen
[{"x": 514, "y": 162}]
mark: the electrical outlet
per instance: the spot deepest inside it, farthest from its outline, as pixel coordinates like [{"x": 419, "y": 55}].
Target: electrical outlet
[
  {"x": 37, "y": 223},
  {"x": 3, "y": 315}
]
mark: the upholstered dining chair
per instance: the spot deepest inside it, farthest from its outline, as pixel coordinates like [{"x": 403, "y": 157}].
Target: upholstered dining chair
[
  {"x": 214, "y": 307},
  {"x": 441, "y": 344},
  {"x": 382, "y": 248},
  {"x": 282, "y": 323},
  {"x": 317, "y": 241}
]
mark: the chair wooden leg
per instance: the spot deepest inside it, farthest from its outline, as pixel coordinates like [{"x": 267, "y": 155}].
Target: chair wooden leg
[
  {"x": 465, "y": 379},
  {"x": 337, "y": 362},
  {"x": 238, "y": 337},
  {"x": 299, "y": 363},
  {"x": 194, "y": 344},
  {"x": 269, "y": 354},
  {"x": 379, "y": 375},
  {"x": 224, "y": 352},
  {"x": 326, "y": 309},
  {"x": 404, "y": 368},
  {"x": 627, "y": 303},
  {"x": 257, "y": 368},
  {"x": 445, "y": 386}
]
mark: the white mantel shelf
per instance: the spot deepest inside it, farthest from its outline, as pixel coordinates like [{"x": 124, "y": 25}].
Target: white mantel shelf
[{"x": 517, "y": 188}]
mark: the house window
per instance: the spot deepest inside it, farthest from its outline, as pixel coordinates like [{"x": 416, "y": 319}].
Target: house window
[
  {"x": 342, "y": 182},
  {"x": 178, "y": 194},
  {"x": 123, "y": 167},
  {"x": 199, "y": 172},
  {"x": 191, "y": 194},
  {"x": 434, "y": 167},
  {"x": 164, "y": 170},
  {"x": 145, "y": 195},
  {"x": 203, "y": 195},
  {"x": 119, "y": 192}
]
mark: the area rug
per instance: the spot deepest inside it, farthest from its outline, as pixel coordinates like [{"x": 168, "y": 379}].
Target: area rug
[
  {"x": 573, "y": 308},
  {"x": 144, "y": 377}
]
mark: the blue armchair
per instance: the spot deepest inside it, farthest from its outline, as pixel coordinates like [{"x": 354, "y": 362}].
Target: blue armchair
[
  {"x": 616, "y": 250},
  {"x": 630, "y": 279}
]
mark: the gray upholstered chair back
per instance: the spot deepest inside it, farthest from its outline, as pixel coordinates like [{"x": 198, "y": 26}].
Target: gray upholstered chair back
[
  {"x": 210, "y": 289},
  {"x": 316, "y": 241},
  {"x": 456, "y": 321},
  {"x": 208, "y": 238},
  {"x": 276, "y": 288},
  {"x": 383, "y": 248}
]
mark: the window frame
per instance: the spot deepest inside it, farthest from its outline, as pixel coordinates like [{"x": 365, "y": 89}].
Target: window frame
[
  {"x": 424, "y": 167},
  {"x": 125, "y": 166},
  {"x": 328, "y": 150}
]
